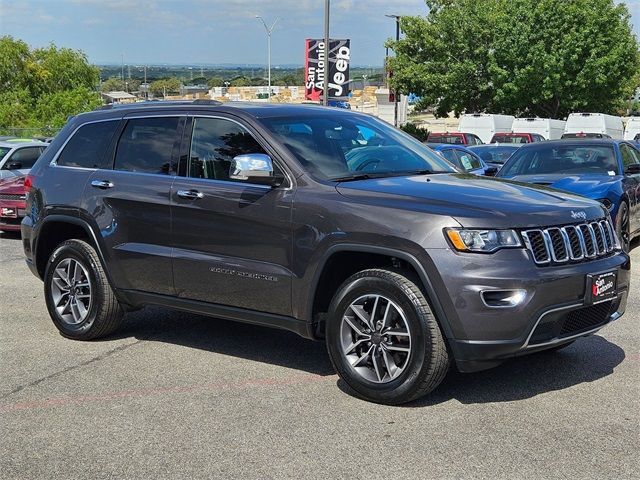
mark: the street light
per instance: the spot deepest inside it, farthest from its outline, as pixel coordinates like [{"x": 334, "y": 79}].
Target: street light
[
  {"x": 268, "y": 30},
  {"x": 395, "y": 94}
]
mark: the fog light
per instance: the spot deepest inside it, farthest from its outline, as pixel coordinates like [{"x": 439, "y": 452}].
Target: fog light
[{"x": 503, "y": 298}]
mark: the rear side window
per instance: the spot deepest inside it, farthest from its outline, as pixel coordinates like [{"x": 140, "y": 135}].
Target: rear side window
[
  {"x": 147, "y": 145},
  {"x": 443, "y": 138},
  {"x": 26, "y": 157},
  {"x": 87, "y": 146}
]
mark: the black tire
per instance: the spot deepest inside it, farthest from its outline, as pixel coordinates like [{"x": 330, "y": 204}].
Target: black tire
[
  {"x": 428, "y": 360},
  {"x": 104, "y": 313},
  {"x": 622, "y": 226}
]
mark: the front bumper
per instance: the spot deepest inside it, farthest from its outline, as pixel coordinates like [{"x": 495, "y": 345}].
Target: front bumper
[{"x": 556, "y": 308}]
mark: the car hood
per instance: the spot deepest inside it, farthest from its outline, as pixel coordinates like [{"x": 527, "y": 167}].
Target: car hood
[
  {"x": 474, "y": 201},
  {"x": 12, "y": 186},
  {"x": 592, "y": 186}
]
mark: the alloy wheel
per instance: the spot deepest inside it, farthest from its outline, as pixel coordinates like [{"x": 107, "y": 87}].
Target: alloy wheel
[
  {"x": 71, "y": 291},
  {"x": 375, "y": 338}
]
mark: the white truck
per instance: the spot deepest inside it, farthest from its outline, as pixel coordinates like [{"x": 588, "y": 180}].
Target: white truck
[
  {"x": 593, "y": 125},
  {"x": 632, "y": 129},
  {"x": 549, "y": 128},
  {"x": 485, "y": 125}
]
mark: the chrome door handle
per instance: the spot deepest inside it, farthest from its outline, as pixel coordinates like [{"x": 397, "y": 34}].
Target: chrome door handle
[
  {"x": 190, "y": 194},
  {"x": 102, "y": 184}
]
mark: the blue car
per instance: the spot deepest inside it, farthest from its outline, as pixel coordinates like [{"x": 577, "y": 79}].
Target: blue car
[
  {"x": 600, "y": 169},
  {"x": 463, "y": 158},
  {"x": 495, "y": 154}
]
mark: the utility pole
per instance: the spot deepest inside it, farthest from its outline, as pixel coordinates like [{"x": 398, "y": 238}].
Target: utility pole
[
  {"x": 395, "y": 94},
  {"x": 122, "y": 67},
  {"x": 268, "y": 30},
  {"x": 325, "y": 83}
]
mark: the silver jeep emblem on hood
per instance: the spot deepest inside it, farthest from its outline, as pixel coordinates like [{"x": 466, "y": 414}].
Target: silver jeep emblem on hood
[{"x": 578, "y": 215}]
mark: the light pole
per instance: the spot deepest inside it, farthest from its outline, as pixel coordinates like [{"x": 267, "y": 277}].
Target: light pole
[
  {"x": 395, "y": 94},
  {"x": 325, "y": 84},
  {"x": 268, "y": 30}
]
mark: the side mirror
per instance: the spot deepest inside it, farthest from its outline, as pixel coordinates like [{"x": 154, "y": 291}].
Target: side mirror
[
  {"x": 253, "y": 166},
  {"x": 491, "y": 171},
  {"x": 632, "y": 169},
  {"x": 14, "y": 166}
]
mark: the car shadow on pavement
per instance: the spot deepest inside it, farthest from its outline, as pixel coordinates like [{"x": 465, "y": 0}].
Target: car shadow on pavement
[
  {"x": 587, "y": 360},
  {"x": 251, "y": 342},
  {"x": 10, "y": 235}
]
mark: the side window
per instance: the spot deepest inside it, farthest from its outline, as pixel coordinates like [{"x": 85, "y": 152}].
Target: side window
[
  {"x": 468, "y": 161},
  {"x": 450, "y": 155},
  {"x": 87, "y": 146},
  {"x": 26, "y": 157},
  {"x": 147, "y": 144},
  {"x": 214, "y": 143},
  {"x": 635, "y": 154},
  {"x": 628, "y": 156}
]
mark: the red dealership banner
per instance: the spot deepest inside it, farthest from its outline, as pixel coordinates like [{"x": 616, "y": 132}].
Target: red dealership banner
[{"x": 315, "y": 67}]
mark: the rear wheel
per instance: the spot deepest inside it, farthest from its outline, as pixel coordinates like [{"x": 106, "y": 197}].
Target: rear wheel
[
  {"x": 383, "y": 339},
  {"x": 622, "y": 226},
  {"x": 78, "y": 296}
]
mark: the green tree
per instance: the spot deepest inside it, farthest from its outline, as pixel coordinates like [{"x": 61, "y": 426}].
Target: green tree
[
  {"x": 215, "y": 82},
  {"x": 42, "y": 87},
  {"x": 53, "y": 109},
  {"x": 539, "y": 57},
  {"x": 165, "y": 86}
]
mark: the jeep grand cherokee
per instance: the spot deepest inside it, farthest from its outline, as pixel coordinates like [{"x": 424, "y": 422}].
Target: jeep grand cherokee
[{"x": 325, "y": 222}]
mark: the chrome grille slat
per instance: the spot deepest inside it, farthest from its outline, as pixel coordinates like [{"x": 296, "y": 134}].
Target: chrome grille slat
[
  {"x": 12, "y": 196},
  {"x": 570, "y": 243}
]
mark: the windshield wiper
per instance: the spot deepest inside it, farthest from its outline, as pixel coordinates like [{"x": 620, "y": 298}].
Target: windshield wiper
[{"x": 351, "y": 178}]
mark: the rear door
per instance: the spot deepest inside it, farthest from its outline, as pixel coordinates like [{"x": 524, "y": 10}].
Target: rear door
[
  {"x": 131, "y": 205},
  {"x": 232, "y": 238}
]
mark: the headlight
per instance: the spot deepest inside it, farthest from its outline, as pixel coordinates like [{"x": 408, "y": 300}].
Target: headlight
[{"x": 486, "y": 241}]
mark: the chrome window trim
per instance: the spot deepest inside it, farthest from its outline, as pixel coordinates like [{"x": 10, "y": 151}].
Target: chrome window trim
[{"x": 54, "y": 160}]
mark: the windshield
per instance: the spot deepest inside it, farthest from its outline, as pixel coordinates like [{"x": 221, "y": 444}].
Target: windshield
[
  {"x": 445, "y": 138},
  {"x": 346, "y": 146},
  {"x": 562, "y": 159},
  {"x": 494, "y": 154},
  {"x": 497, "y": 138}
]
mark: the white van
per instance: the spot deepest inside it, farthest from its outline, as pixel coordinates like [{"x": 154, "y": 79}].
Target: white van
[
  {"x": 632, "y": 129},
  {"x": 485, "y": 125},
  {"x": 549, "y": 128},
  {"x": 593, "y": 124}
]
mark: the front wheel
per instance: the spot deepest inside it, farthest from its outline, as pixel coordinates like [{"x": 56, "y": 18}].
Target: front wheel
[
  {"x": 622, "y": 226},
  {"x": 79, "y": 298},
  {"x": 383, "y": 339}
]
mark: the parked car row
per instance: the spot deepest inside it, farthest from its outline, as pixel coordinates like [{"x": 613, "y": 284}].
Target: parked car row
[{"x": 480, "y": 128}]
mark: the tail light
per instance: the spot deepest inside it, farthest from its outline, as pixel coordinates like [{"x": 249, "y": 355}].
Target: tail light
[{"x": 28, "y": 183}]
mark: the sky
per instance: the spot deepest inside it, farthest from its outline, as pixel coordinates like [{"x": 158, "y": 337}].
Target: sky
[{"x": 208, "y": 31}]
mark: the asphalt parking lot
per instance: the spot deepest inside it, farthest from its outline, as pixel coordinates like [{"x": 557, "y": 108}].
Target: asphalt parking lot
[{"x": 176, "y": 395}]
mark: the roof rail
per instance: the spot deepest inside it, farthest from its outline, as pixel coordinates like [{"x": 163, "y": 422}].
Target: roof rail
[{"x": 158, "y": 103}]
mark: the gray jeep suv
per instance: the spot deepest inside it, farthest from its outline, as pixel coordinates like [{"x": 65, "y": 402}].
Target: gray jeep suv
[{"x": 325, "y": 222}]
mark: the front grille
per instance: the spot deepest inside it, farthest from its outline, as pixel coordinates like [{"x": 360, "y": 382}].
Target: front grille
[
  {"x": 586, "y": 318},
  {"x": 571, "y": 242},
  {"x": 12, "y": 196}
]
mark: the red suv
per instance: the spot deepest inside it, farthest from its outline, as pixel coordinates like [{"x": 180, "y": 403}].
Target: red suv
[
  {"x": 456, "y": 138},
  {"x": 516, "y": 138}
]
